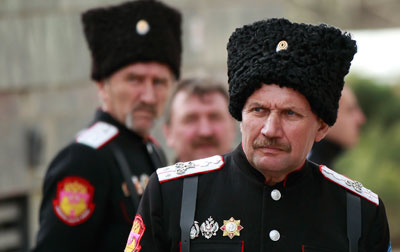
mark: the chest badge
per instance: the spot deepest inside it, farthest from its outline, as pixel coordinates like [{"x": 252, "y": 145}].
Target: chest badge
[
  {"x": 195, "y": 230},
  {"x": 231, "y": 228},
  {"x": 209, "y": 228}
]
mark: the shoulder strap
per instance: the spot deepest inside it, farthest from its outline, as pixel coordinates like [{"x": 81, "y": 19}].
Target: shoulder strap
[
  {"x": 126, "y": 173},
  {"x": 188, "y": 208},
  {"x": 353, "y": 221},
  {"x": 97, "y": 135}
]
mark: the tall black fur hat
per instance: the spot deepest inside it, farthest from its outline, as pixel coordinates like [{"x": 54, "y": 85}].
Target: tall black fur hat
[
  {"x": 312, "y": 60},
  {"x": 142, "y": 30}
]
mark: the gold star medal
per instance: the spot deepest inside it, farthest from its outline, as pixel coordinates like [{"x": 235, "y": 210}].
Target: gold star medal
[{"x": 231, "y": 228}]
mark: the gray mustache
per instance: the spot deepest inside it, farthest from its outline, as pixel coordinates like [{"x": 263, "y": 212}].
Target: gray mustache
[
  {"x": 146, "y": 107},
  {"x": 205, "y": 141},
  {"x": 271, "y": 143}
]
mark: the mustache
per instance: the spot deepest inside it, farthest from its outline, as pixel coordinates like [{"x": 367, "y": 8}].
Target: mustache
[
  {"x": 271, "y": 143},
  {"x": 147, "y": 107},
  {"x": 199, "y": 141}
]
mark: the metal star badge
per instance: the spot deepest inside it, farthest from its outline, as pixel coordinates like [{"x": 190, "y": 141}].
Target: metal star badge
[{"x": 231, "y": 228}]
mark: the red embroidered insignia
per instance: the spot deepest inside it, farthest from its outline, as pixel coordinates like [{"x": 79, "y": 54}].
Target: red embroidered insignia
[
  {"x": 74, "y": 202},
  {"x": 137, "y": 231}
]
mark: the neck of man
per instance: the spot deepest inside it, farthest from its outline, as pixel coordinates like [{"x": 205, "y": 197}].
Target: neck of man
[{"x": 273, "y": 178}]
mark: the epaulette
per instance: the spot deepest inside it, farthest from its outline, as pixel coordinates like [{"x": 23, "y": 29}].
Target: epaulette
[
  {"x": 98, "y": 135},
  {"x": 349, "y": 184},
  {"x": 180, "y": 169}
]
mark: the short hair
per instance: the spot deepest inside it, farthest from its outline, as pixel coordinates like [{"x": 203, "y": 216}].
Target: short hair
[{"x": 197, "y": 87}]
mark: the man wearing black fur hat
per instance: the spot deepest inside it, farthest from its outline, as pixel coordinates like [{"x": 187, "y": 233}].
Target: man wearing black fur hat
[
  {"x": 92, "y": 188},
  {"x": 285, "y": 81}
]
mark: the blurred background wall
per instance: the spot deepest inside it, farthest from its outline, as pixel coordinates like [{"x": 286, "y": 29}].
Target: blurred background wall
[{"x": 46, "y": 95}]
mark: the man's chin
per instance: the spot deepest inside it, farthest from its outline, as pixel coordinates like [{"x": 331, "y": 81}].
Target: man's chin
[
  {"x": 142, "y": 127},
  {"x": 206, "y": 152}
]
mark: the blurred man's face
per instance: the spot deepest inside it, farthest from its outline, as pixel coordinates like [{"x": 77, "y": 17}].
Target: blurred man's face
[
  {"x": 278, "y": 130},
  {"x": 346, "y": 130},
  {"x": 200, "y": 126},
  {"x": 135, "y": 95}
]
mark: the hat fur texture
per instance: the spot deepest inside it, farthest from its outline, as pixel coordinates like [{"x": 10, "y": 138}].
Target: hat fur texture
[
  {"x": 314, "y": 62},
  {"x": 115, "y": 41}
]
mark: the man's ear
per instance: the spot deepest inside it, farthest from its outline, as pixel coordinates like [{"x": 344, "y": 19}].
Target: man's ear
[
  {"x": 167, "y": 133},
  {"x": 103, "y": 93},
  {"x": 322, "y": 130},
  {"x": 100, "y": 89}
]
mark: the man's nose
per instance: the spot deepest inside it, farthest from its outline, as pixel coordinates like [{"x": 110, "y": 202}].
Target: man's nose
[
  {"x": 148, "y": 94},
  {"x": 272, "y": 127},
  {"x": 361, "y": 119},
  {"x": 205, "y": 127}
]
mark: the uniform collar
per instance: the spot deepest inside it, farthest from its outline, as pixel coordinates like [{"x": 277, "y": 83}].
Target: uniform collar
[{"x": 292, "y": 179}]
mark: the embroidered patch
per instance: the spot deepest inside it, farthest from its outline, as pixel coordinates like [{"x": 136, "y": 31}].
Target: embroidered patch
[
  {"x": 74, "y": 202},
  {"x": 349, "y": 184},
  {"x": 137, "y": 231}
]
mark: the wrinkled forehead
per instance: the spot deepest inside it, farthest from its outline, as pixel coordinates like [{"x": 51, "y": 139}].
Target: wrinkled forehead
[{"x": 273, "y": 95}]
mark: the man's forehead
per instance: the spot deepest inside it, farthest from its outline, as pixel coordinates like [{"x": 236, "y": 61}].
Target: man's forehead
[
  {"x": 144, "y": 68},
  {"x": 185, "y": 103},
  {"x": 272, "y": 94},
  {"x": 204, "y": 97}
]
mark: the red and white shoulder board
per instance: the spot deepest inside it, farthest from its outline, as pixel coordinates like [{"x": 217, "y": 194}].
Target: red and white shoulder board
[
  {"x": 98, "y": 135},
  {"x": 185, "y": 169},
  {"x": 349, "y": 184}
]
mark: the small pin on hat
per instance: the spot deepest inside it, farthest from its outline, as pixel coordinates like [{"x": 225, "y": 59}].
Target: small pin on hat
[
  {"x": 142, "y": 27},
  {"x": 282, "y": 45}
]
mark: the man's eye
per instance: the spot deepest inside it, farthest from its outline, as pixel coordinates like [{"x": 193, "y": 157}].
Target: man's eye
[
  {"x": 132, "y": 78},
  {"x": 258, "y": 109},
  {"x": 158, "y": 82},
  {"x": 190, "y": 119},
  {"x": 290, "y": 112}
]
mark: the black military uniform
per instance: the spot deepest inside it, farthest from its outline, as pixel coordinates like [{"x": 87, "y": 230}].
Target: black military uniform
[
  {"x": 93, "y": 186},
  {"x": 325, "y": 152},
  {"x": 90, "y": 171},
  {"x": 305, "y": 212},
  {"x": 224, "y": 204}
]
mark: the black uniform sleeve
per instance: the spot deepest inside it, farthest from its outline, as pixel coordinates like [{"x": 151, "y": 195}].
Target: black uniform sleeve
[
  {"x": 378, "y": 238},
  {"x": 74, "y": 197},
  {"x": 148, "y": 227}
]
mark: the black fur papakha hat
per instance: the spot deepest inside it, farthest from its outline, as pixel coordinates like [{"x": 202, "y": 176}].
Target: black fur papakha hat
[
  {"x": 135, "y": 31},
  {"x": 312, "y": 60}
]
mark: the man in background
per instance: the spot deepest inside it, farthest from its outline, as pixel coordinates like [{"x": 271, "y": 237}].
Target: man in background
[
  {"x": 343, "y": 135},
  {"x": 92, "y": 187},
  {"x": 198, "y": 123}
]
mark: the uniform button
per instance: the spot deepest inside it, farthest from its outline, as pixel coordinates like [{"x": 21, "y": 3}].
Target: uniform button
[
  {"x": 274, "y": 235},
  {"x": 276, "y": 194}
]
